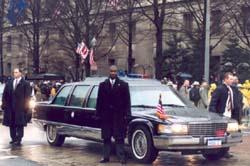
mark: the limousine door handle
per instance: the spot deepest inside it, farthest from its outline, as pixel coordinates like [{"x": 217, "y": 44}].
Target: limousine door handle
[{"x": 72, "y": 114}]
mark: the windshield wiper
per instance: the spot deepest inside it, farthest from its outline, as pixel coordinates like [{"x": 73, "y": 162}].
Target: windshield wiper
[
  {"x": 143, "y": 106},
  {"x": 173, "y": 105}
]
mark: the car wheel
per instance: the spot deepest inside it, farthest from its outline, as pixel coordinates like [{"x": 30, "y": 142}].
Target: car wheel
[
  {"x": 142, "y": 145},
  {"x": 53, "y": 137},
  {"x": 216, "y": 154}
]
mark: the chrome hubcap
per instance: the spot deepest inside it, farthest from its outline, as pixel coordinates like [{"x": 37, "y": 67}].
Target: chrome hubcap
[{"x": 139, "y": 144}]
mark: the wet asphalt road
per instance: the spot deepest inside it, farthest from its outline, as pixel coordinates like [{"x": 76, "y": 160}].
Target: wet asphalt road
[{"x": 76, "y": 152}]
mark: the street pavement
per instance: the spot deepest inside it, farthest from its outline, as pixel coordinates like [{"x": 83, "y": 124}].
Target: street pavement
[{"x": 35, "y": 151}]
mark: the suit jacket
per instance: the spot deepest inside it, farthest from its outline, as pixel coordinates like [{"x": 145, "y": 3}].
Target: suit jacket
[
  {"x": 238, "y": 104},
  {"x": 15, "y": 103},
  {"x": 219, "y": 100},
  {"x": 113, "y": 107}
]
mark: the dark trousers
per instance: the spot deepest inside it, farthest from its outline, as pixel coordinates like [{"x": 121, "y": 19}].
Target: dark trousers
[
  {"x": 16, "y": 133},
  {"x": 119, "y": 145}
]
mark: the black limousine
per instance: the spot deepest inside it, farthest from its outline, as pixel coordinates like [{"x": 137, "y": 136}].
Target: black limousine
[{"x": 186, "y": 129}]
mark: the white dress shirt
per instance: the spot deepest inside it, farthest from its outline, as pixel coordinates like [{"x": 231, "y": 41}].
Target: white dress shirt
[
  {"x": 229, "y": 106},
  {"x": 16, "y": 82}
]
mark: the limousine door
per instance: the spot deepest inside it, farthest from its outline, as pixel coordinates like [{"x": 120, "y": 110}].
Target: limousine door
[
  {"x": 90, "y": 115},
  {"x": 75, "y": 111}
]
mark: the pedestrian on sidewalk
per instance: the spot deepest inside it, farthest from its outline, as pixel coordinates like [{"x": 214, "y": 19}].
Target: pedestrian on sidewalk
[
  {"x": 15, "y": 103},
  {"x": 194, "y": 93},
  {"x": 224, "y": 101},
  {"x": 203, "y": 102},
  {"x": 113, "y": 108},
  {"x": 184, "y": 89}
]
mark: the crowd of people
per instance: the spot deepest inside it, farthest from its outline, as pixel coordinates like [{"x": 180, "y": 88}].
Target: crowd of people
[
  {"x": 45, "y": 90},
  {"x": 203, "y": 95}
]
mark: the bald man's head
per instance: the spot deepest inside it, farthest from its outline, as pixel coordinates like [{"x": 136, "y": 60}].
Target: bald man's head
[{"x": 113, "y": 72}]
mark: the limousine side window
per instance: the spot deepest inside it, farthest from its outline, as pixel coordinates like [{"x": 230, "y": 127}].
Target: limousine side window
[
  {"x": 92, "y": 98},
  {"x": 78, "y": 96},
  {"x": 62, "y": 96}
]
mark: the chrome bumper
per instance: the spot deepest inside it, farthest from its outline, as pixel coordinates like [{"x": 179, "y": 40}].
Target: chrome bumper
[{"x": 164, "y": 142}]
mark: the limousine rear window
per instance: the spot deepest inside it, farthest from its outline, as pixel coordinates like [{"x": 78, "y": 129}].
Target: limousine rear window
[
  {"x": 92, "y": 98},
  {"x": 78, "y": 96},
  {"x": 61, "y": 97}
]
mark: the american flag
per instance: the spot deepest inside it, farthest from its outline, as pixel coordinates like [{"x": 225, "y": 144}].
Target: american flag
[
  {"x": 91, "y": 57},
  {"x": 113, "y": 3},
  {"x": 160, "y": 110},
  {"x": 82, "y": 50}
]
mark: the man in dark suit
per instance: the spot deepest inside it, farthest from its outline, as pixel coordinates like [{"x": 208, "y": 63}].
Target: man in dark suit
[
  {"x": 113, "y": 108},
  {"x": 238, "y": 100},
  {"x": 15, "y": 103},
  {"x": 225, "y": 101}
]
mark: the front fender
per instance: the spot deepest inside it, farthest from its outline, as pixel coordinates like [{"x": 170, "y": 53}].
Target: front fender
[{"x": 139, "y": 121}]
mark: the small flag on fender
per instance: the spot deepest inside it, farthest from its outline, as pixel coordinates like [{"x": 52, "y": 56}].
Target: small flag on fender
[{"x": 160, "y": 110}]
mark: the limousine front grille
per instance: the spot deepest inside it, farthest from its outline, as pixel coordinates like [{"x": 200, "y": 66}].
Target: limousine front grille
[{"x": 207, "y": 129}]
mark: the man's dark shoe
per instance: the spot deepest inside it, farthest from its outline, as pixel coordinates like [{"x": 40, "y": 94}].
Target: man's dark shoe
[
  {"x": 104, "y": 160},
  {"x": 18, "y": 143},
  {"x": 11, "y": 142},
  {"x": 228, "y": 155}
]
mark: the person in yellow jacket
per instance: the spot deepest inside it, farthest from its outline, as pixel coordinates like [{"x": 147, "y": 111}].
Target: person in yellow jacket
[
  {"x": 53, "y": 92},
  {"x": 211, "y": 90}
]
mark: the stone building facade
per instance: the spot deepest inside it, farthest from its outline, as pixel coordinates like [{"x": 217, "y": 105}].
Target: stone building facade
[{"x": 54, "y": 60}]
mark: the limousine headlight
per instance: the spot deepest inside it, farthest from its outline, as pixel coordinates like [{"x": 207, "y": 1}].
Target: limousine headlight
[
  {"x": 172, "y": 129},
  {"x": 232, "y": 127}
]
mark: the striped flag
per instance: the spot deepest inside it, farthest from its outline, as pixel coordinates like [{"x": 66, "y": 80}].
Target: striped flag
[
  {"x": 91, "y": 57},
  {"x": 82, "y": 50},
  {"x": 113, "y": 3},
  {"x": 160, "y": 110}
]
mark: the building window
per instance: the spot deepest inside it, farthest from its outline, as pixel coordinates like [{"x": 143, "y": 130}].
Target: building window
[
  {"x": 216, "y": 24},
  {"x": 20, "y": 42},
  {"x": 9, "y": 40},
  {"x": 112, "y": 30},
  {"x": 188, "y": 21},
  {"x": 9, "y": 68},
  {"x": 246, "y": 19},
  {"x": 111, "y": 61}
]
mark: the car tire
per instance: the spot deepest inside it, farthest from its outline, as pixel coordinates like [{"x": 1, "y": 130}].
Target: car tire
[
  {"x": 142, "y": 146},
  {"x": 215, "y": 154},
  {"x": 53, "y": 137}
]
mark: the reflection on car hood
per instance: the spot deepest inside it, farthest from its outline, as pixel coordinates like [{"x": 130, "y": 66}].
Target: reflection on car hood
[{"x": 180, "y": 115}]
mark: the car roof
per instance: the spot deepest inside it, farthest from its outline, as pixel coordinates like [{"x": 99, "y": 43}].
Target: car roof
[{"x": 130, "y": 81}]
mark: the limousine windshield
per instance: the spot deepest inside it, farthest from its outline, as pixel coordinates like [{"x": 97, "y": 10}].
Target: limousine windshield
[{"x": 143, "y": 96}]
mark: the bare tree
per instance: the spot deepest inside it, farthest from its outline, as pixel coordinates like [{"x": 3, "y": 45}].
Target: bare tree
[
  {"x": 193, "y": 28},
  {"x": 80, "y": 20},
  {"x": 2, "y": 14},
  {"x": 33, "y": 25},
  {"x": 240, "y": 20},
  {"x": 129, "y": 16},
  {"x": 157, "y": 12}
]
